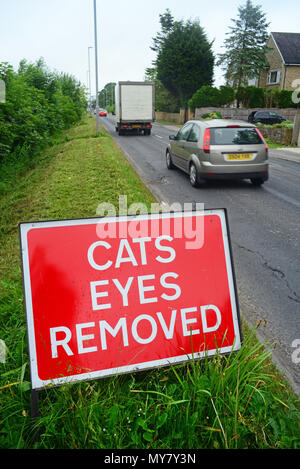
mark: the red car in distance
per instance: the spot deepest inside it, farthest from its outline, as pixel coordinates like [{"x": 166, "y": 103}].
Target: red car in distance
[{"x": 103, "y": 113}]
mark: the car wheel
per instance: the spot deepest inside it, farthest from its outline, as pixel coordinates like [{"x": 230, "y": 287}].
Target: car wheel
[
  {"x": 194, "y": 176},
  {"x": 169, "y": 161},
  {"x": 257, "y": 181}
]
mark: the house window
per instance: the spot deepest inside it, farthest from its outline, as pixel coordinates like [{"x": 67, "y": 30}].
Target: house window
[
  {"x": 274, "y": 77},
  {"x": 252, "y": 81}
]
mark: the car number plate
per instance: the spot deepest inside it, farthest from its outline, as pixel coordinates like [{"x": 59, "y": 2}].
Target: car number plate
[
  {"x": 136, "y": 126},
  {"x": 239, "y": 156}
]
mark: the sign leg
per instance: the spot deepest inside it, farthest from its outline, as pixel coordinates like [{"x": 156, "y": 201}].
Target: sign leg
[
  {"x": 34, "y": 404},
  {"x": 35, "y": 415}
]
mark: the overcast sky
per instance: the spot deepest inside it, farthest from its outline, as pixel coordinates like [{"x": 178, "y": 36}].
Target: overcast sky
[{"x": 61, "y": 31}]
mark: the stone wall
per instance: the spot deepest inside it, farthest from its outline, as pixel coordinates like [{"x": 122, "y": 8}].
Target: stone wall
[
  {"x": 242, "y": 113},
  {"x": 279, "y": 135},
  {"x": 227, "y": 113},
  {"x": 177, "y": 118}
]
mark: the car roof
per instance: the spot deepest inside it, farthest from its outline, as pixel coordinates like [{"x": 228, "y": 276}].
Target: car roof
[
  {"x": 267, "y": 110},
  {"x": 221, "y": 122}
]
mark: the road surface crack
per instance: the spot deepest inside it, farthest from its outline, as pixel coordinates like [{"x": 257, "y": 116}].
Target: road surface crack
[{"x": 276, "y": 272}]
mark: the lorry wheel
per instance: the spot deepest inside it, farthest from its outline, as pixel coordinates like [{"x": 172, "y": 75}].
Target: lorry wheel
[{"x": 147, "y": 131}]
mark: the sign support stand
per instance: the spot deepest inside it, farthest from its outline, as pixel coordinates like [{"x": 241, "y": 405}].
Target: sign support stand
[
  {"x": 35, "y": 414},
  {"x": 34, "y": 404}
]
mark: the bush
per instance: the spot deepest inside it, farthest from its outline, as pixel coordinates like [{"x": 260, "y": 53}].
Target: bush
[
  {"x": 212, "y": 115},
  {"x": 208, "y": 96},
  {"x": 38, "y": 104},
  {"x": 285, "y": 124},
  {"x": 204, "y": 97},
  {"x": 227, "y": 95},
  {"x": 285, "y": 99},
  {"x": 250, "y": 96}
]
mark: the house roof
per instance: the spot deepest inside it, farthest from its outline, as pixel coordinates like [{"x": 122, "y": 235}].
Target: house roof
[{"x": 289, "y": 47}]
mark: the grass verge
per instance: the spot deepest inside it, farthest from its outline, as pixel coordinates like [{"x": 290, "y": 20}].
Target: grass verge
[
  {"x": 237, "y": 401},
  {"x": 272, "y": 144}
]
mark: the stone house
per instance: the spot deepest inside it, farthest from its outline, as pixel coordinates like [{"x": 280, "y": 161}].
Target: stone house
[{"x": 284, "y": 62}]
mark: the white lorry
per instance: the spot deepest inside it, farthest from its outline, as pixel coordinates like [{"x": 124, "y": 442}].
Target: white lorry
[{"x": 134, "y": 106}]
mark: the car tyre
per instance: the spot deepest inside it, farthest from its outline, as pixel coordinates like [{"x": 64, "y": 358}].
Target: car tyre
[
  {"x": 257, "y": 181},
  {"x": 169, "y": 161},
  {"x": 194, "y": 176}
]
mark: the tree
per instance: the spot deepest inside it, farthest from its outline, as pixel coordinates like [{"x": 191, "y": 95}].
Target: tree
[
  {"x": 167, "y": 23},
  {"x": 185, "y": 60},
  {"x": 107, "y": 96},
  {"x": 246, "y": 46},
  {"x": 164, "y": 100}
]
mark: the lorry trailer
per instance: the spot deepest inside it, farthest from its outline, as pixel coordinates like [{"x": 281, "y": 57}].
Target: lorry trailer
[{"x": 134, "y": 107}]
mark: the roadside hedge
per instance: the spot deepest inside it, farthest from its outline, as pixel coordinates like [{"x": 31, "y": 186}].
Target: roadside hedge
[
  {"x": 38, "y": 104},
  {"x": 208, "y": 96},
  {"x": 249, "y": 97},
  {"x": 252, "y": 97}
]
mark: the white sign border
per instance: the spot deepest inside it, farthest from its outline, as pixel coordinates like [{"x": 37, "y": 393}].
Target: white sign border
[{"x": 24, "y": 228}]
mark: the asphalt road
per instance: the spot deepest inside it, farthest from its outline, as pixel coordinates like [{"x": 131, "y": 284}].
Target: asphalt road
[{"x": 264, "y": 223}]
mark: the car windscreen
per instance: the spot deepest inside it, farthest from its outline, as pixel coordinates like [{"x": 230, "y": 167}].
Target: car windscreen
[{"x": 234, "y": 136}]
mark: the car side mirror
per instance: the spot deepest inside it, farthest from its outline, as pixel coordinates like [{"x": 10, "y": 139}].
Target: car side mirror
[{"x": 172, "y": 137}]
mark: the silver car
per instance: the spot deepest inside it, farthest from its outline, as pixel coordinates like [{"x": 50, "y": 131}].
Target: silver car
[{"x": 219, "y": 149}]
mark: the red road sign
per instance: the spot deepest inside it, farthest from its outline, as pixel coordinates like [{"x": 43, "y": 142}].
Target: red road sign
[{"x": 107, "y": 296}]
